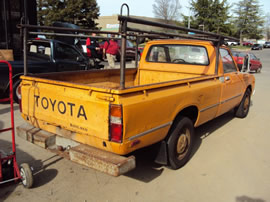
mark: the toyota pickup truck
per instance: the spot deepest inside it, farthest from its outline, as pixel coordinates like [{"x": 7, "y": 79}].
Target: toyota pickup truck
[{"x": 179, "y": 84}]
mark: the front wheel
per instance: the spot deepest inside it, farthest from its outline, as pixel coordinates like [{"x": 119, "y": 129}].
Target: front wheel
[
  {"x": 180, "y": 143},
  {"x": 259, "y": 70},
  {"x": 243, "y": 108},
  {"x": 27, "y": 176}
]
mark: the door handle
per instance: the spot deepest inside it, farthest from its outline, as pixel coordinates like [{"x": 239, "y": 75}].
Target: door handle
[{"x": 227, "y": 78}]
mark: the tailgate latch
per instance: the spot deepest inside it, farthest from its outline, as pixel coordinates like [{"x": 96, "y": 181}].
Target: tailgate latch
[{"x": 107, "y": 98}]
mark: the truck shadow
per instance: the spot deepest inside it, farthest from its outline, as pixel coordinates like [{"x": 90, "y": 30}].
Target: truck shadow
[
  {"x": 42, "y": 174},
  {"x": 209, "y": 128},
  {"x": 248, "y": 199},
  {"x": 147, "y": 170}
]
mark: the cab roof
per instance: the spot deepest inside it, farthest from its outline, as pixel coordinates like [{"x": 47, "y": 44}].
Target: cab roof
[{"x": 180, "y": 41}]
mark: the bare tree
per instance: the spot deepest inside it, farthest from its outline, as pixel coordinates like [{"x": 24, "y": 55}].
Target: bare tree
[
  {"x": 167, "y": 9},
  {"x": 267, "y": 26}
]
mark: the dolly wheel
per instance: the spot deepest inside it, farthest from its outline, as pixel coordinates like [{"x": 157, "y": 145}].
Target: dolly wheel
[{"x": 27, "y": 176}]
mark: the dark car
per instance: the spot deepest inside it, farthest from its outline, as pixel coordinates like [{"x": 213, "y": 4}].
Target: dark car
[
  {"x": 256, "y": 46},
  {"x": 44, "y": 55}
]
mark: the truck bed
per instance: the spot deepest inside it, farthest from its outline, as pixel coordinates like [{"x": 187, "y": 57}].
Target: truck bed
[{"x": 110, "y": 79}]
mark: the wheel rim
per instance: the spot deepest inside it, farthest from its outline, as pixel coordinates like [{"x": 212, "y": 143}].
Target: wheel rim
[
  {"x": 246, "y": 104},
  {"x": 183, "y": 143},
  {"x": 22, "y": 172}
]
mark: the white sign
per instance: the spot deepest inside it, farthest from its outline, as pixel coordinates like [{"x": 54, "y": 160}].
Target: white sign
[{"x": 112, "y": 26}]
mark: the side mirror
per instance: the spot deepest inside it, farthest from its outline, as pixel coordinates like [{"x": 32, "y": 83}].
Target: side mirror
[{"x": 79, "y": 59}]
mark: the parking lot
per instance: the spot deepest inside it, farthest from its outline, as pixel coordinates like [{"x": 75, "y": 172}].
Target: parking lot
[{"x": 230, "y": 162}]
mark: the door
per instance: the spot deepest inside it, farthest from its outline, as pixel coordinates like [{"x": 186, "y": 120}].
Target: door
[
  {"x": 232, "y": 87},
  {"x": 67, "y": 58},
  {"x": 254, "y": 62}
]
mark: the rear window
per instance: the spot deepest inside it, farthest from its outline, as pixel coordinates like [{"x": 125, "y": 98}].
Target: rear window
[
  {"x": 178, "y": 54},
  {"x": 39, "y": 49}
]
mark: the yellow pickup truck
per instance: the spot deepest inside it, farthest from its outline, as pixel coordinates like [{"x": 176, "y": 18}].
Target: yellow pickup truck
[{"x": 179, "y": 84}]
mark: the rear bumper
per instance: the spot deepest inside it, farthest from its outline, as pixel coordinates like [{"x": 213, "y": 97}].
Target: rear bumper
[{"x": 86, "y": 155}]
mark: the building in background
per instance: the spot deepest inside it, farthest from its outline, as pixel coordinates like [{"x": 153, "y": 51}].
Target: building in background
[{"x": 111, "y": 23}]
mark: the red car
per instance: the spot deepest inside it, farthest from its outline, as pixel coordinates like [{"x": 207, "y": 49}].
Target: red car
[
  {"x": 239, "y": 57},
  {"x": 247, "y": 43},
  {"x": 255, "y": 63}
]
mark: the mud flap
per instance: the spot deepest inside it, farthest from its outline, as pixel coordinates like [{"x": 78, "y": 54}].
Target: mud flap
[{"x": 162, "y": 157}]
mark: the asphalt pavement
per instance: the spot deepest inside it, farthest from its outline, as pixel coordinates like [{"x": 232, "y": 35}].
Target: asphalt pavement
[{"x": 230, "y": 163}]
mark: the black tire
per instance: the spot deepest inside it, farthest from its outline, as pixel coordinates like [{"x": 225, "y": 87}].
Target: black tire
[
  {"x": 139, "y": 57},
  {"x": 259, "y": 70},
  {"x": 16, "y": 85},
  {"x": 242, "y": 110},
  {"x": 118, "y": 57},
  {"x": 180, "y": 143},
  {"x": 27, "y": 176}
]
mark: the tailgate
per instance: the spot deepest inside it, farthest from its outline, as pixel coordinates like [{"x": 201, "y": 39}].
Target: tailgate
[{"x": 69, "y": 107}]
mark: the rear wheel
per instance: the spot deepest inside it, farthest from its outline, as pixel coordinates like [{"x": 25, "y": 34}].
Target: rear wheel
[
  {"x": 16, "y": 93},
  {"x": 242, "y": 110},
  {"x": 180, "y": 143}
]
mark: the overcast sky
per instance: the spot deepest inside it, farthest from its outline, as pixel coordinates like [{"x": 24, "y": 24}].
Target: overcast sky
[{"x": 144, "y": 7}]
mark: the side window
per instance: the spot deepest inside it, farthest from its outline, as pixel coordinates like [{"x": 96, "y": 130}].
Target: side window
[
  {"x": 228, "y": 64},
  {"x": 65, "y": 52},
  {"x": 157, "y": 54}
]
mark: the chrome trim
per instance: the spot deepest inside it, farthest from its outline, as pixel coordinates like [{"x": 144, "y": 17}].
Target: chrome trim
[
  {"x": 230, "y": 99},
  {"x": 150, "y": 131},
  {"x": 206, "y": 108},
  {"x": 214, "y": 105}
]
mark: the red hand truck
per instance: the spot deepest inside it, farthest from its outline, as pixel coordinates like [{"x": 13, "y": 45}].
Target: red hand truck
[{"x": 9, "y": 170}]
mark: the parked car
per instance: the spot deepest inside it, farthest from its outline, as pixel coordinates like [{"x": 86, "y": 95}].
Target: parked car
[
  {"x": 239, "y": 58},
  {"x": 247, "y": 43},
  {"x": 266, "y": 44},
  {"x": 255, "y": 63},
  {"x": 130, "y": 50},
  {"x": 232, "y": 43},
  {"x": 44, "y": 55},
  {"x": 256, "y": 47}
]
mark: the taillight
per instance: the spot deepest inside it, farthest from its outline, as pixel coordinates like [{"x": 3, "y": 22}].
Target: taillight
[{"x": 116, "y": 123}]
